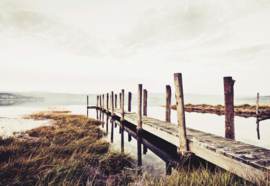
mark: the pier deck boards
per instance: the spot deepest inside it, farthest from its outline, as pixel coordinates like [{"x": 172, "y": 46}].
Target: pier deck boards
[{"x": 247, "y": 161}]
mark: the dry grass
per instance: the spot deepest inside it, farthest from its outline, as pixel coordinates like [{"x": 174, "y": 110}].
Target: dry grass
[{"x": 72, "y": 152}]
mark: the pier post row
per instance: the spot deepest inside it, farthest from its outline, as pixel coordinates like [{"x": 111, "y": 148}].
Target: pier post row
[
  {"x": 247, "y": 161},
  {"x": 229, "y": 107}
]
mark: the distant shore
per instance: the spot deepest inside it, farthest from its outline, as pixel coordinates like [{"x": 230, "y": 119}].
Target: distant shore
[{"x": 244, "y": 110}]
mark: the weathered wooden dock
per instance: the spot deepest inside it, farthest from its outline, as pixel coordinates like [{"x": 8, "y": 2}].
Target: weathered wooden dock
[{"x": 247, "y": 161}]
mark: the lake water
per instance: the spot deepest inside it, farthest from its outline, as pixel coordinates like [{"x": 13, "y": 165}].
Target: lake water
[{"x": 11, "y": 119}]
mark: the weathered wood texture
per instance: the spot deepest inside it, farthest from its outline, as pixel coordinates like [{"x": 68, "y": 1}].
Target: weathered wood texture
[
  {"x": 129, "y": 101},
  {"x": 229, "y": 107},
  {"x": 97, "y": 100},
  {"x": 247, "y": 161},
  {"x": 168, "y": 103},
  {"x": 139, "y": 125},
  {"x": 145, "y": 102},
  {"x": 179, "y": 96}
]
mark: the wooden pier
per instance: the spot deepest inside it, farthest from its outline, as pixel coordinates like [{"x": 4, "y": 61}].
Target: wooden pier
[{"x": 247, "y": 161}]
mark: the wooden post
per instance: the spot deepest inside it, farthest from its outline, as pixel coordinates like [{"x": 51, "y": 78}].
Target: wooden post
[
  {"x": 120, "y": 99},
  {"x": 139, "y": 126},
  {"x": 112, "y": 113},
  {"x": 229, "y": 107},
  {"x": 144, "y": 149},
  {"x": 122, "y": 105},
  {"x": 122, "y": 137},
  {"x": 107, "y": 123},
  {"x": 145, "y": 102},
  {"x": 129, "y": 137},
  {"x": 100, "y": 102},
  {"x": 129, "y": 101},
  {"x": 111, "y": 130},
  {"x": 97, "y": 101},
  {"x": 115, "y": 100},
  {"x": 107, "y": 110},
  {"x": 257, "y": 104},
  {"x": 168, "y": 168},
  {"x": 103, "y": 102},
  {"x": 179, "y": 96},
  {"x": 87, "y": 101},
  {"x": 168, "y": 103}
]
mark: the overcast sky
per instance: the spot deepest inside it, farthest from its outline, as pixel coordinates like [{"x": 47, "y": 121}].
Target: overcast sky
[{"x": 93, "y": 46}]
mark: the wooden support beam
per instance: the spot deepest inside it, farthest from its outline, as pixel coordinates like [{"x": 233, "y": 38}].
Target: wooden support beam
[
  {"x": 103, "y": 102},
  {"x": 229, "y": 107},
  {"x": 100, "y": 102},
  {"x": 145, "y": 102},
  {"x": 120, "y": 99},
  {"x": 107, "y": 110},
  {"x": 144, "y": 149},
  {"x": 257, "y": 104},
  {"x": 122, "y": 106},
  {"x": 139, "y": 126},
  {"x": 179, "y": 96},
  {"x": 122, "y": 136},
  {"x": 112, "y": 113},
  {"x": 97, "y": 101},
  {"x": 129, "y": 137},
  {"x": 111, "y": 130},
  {"x": 115, "y": 100},
  {"x": 168, "y": 103},
  {"x": 129, "y": 101},
  {"x": 87, "y": 101}
]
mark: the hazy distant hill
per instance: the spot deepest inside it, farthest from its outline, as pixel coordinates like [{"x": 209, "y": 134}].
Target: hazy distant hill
[{"x": 7, "y": 96}]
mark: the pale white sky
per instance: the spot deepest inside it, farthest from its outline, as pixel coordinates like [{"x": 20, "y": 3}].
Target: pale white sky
[{"x": 90, "y": 46}]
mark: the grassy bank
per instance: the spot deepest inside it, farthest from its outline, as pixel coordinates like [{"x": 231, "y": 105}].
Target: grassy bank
[{"x": 72, "y": 152}]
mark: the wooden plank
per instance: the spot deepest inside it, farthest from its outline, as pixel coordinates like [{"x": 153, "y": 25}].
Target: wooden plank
[{"x": 179, "y": 95}]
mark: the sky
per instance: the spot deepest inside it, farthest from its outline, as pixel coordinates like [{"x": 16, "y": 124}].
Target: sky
[{"x": 98, "y": 46}]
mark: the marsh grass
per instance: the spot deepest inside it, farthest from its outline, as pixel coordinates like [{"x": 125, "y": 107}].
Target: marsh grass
[{"x": 71, "y": 152}]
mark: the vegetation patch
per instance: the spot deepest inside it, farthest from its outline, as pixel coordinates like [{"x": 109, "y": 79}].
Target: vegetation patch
[{"x": 70, "y": 152}]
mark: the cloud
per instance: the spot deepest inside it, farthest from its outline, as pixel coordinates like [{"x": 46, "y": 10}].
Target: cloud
[{"x": 19, "y": 18}]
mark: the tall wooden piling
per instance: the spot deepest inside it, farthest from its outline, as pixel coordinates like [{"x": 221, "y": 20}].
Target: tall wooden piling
[
  {"x": 122, "y": 138},
  {"x": 168, "y": 103},
  {"x": 97, "y": 101},
  {"x": 107, "y": 110},
  {"x": 112, "y": 130},
  {"x": 100, "y": 102},
  {"x": 129, "y": 101},
  {"x": 112, "y": 113},
  {"x": 139, "y": 126},
  {"x": 122, "y": 105},
  {"x": 115, "y": 100},
  {"x": 103, "y": 102},
  {"x": 229, "y": 107},
  {"x": 120, "y": 99},
  {"x": 145, "y": 102},
  {"x": 257, "y": 104},
  {"x": 87, "y": 101},
  {"x": 179, "y": 96}
]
